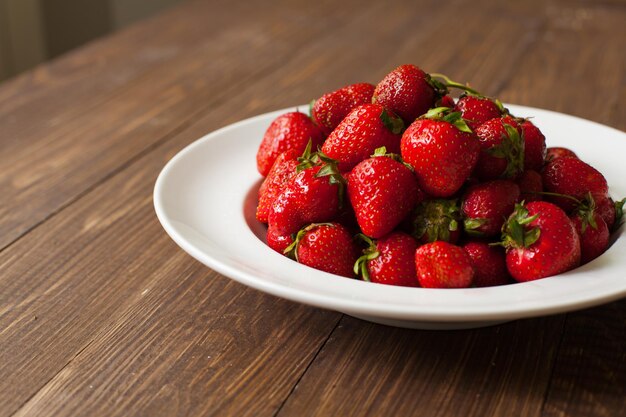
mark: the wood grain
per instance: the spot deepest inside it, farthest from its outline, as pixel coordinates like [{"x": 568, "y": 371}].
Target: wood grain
[
  {"x": 101, "y": 314},
  {"x": 46, "y": 164}
]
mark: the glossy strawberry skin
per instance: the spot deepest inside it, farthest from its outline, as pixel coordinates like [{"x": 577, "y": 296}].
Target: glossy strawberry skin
[
  {"x": 441, "y": 155},
  {"x": 406, "y": 92},
  {"x": 605, "y": 207},
  {"x": 330, "y": 109},
  {"x": 534, "y": 146},
  {"x": 395, "y": 264},
  {"x": 443, "y": 265},
  {"x": 593, "y": 240},
  {"x": 530, "y": 185},
  {"x": 305, "y": 199},
  {"x": 489, "y": 203},
  {"x": 359, "y": 135},
  {"x": 477, "y": 110},
  {"x": 382, "y": 192},
  {"x": 557, "y": 249},
  {"x": 290, "y": 131},
  {"x": 489, "y": 264},
  {"x": 330, "y": 248},
  {"x": 491, "y": 135},
  {"x": 573, "y": 177},
  {"x": 559, "y": 152},
  {"x": 283, "y": 170}
]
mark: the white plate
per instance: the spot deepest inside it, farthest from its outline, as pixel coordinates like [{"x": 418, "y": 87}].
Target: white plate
[{"x": 205, "y": 198}]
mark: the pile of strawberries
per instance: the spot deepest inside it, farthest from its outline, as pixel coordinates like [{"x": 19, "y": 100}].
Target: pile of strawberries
[{"x": 402, "y": 184}]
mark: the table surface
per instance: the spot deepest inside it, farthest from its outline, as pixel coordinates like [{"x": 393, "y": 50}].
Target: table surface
[{"x": 102, "y": 314}]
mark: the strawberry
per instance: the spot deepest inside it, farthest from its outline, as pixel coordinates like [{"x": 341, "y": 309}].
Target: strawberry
[
  {"x": 558, "y": 152},
  {"x": 330, "y": 109},
  {"x": 441, "y": 154},
  {"x": 592, "y": 230},
  {"x": 489, "y": 264},
  {"x": 283, "y": 170},
  {"x": 476, "y": 110},
  {"x": 389, "y": 260},
  {"x": 445, "y": 101},
  {"x": 540, "y": 241},
  {"x": 290, "y": 131},
  {"x": 530, "y": 185},
  {"x": 611, "y": 211},
  {"x": 406, "y": 91},
  {"x": 502, "y": 149},
  {"x": 382, "y": 192},
  {"x": 486, "y": 206},
  {"x": 328, "y": 247},
  {"x": 534, "y": 146},
  {"x": 367, "y": 128},
  {"x": 443, "y": 265},
  {"x": 434, "y": 220},
  {"x": 313, "y": 195},
  {"x": 575, "y": 178}
]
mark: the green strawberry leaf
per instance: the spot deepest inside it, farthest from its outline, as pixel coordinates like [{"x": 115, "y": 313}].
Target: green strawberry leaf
[
  {"x": 516, "y": 233},
  {"x": 393, "y": 123},
  {"x": 369, "y": 253},
  {"x": 382, "y": 151},
  {"x": 311, "y": 104},
  {"x": 436, "y": 113},
  {"x": 531, "y": 236}
]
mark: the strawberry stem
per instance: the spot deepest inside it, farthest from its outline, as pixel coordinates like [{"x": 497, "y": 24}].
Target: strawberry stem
[{"x": 454, "y": 84}]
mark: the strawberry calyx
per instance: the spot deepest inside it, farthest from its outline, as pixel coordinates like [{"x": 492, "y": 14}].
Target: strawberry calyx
[
  {"x": 470, "y": 225},
  {"x": 311, "y": 104},
  {"x": 586, "y": 212},
  {"x": 515, "y": 232},
  {"x": 435, "y": 219},
  {"x": 447, "y": 115},
  {"x": 392, "y": 122},
  {"x": 382, "y": 151},
  {"x": 369, "y": 253},
  {"x": 291, "y": 251},
  {"x": 329, "y": 169},
  {"x": 511, "y": 149}
]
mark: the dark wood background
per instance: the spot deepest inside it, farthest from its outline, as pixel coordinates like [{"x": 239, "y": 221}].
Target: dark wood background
[{"x": 102, "y": 314}]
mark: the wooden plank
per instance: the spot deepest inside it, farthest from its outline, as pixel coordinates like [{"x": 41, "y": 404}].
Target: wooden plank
[
  {"x": 79, "y": 297},
  {"x": 368, "y": 370},
  {"x": 42, "y": 172},
  {"x": 589, "y": 377}
]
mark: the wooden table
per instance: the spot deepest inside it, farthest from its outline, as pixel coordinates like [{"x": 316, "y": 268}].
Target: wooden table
[{"x": 102, "y": 314}]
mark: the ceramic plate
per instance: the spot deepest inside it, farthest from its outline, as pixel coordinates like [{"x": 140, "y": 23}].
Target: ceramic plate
[{"x": 205, "y": 198}]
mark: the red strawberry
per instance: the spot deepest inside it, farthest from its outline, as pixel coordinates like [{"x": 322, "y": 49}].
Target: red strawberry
[
  {"x": 443, "y": 265},
  {"x": 540, "y": 241},
  {"x": 367, "y": 128},
  {"x": 330, "y": 109},
  {"x": 530, "y": 185},
  {"x": 558, "y": 152},
  {"x": 592, "y": 230},
  {"x": 313, "y": 195},
  {"x": 610, "y": 211},
  {"x": 389, "y": 260},
  {"x": 406, "y": 91},
  {"x": 289, "y": 131},
  {"x": 534, "y": 146},
  {"x": 487, "y": 205},
  {"x": 435, "y": 220},
  {"x": 328, "y": 247},
  {"x": 477, "y": 110},
  {"x": 382, "y": 192},
  {"x": 283, "y": 170},
  {"x": 442, "y": 155},
  {"x": 489, "y": 264},
  {"x": 445, "y": 101},
  {"x": 502, "y": 149},
  {"x": 575, "y": 178}
]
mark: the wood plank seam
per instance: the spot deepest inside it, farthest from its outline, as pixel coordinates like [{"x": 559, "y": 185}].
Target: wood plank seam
[{"x": 295, "y": 385}]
